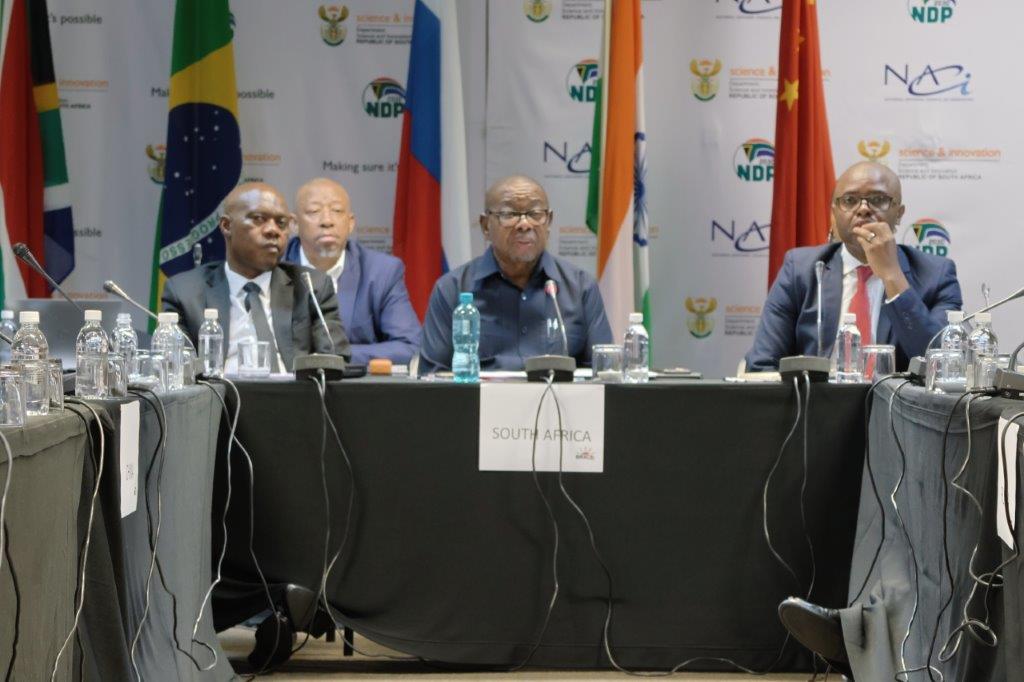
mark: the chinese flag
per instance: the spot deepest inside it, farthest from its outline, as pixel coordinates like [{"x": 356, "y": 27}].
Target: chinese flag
[{"x": 804, "y": 176}]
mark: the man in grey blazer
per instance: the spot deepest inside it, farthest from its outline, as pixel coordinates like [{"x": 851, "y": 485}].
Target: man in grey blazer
[{"x": 256, "y": 296}]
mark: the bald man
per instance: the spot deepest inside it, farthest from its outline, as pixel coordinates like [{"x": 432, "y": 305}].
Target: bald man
[
  {"x": 372, "y": 298},
  {"x": 517, "y": 318},
  {"x": 256, "y": 296},
  {"x": 900, "y": 294}
]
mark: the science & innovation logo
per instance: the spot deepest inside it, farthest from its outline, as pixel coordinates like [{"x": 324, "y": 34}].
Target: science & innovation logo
[
  {"x": 158, "y": 157},
  {"x": 384, "y": 98},
  {"x": 755, "y": 6},
  {"x": 874, "y": 150},
  {"x": 705, "y": 84},
  {"x": 331, "y": 31},
  {"x": 537, "y": 10},
  {"x": 581, "y": 82},
  {"x": 931, "y": 11},
  {"x": 928, "y": 235},
  {"x": 930, "y": 80},
  {"x": 699, "y": 321},
  {"x": 754, "y": 160}
]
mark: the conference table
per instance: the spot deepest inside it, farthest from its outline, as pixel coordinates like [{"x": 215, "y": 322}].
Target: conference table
[
  {"x": 451, "y": 564},
  {"x": 53, "y": 478}
]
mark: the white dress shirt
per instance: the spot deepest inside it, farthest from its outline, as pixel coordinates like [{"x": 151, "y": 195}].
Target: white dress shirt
[
  {"x": 876, "y": 291},
  {"x": 242, "y": 326},
  {"x": 333, "y": 273}
]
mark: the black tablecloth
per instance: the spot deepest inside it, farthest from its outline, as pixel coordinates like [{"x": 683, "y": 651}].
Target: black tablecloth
[
  {"x": 42, "y": 518},
  {"x": 453, "y": 564},
  {"x": 880, "y": 617}
]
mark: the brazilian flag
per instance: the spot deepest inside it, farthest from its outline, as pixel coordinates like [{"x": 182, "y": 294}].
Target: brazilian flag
[{"x": 204, "y": 149}]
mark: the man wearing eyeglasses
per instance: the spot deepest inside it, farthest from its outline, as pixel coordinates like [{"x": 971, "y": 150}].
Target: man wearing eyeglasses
[
  {"x": 517, "y": 318},
  {"x": 900, "y": 294},
  {"x": 257, "y": 297}
]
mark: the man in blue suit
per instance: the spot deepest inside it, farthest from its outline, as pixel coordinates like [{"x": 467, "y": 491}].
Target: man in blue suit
[
  {"x": 372, "y": 298},
  {"x": 900, "y": 294}
]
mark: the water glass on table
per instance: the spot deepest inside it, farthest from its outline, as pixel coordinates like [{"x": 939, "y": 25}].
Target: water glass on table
[
  {"x": 56, "y": 384},
  {"x": 117, "y": 376},
  {"x": 877, "y": 361},
  {"x": 34, "y": 386},
  {"x": 253, "y": 359},
  {"x": 12, "y": 403},
  {"x": 607, "y": 361},
  {"x": 149, "y": 370},
  {"x": 945, "y": 371}
]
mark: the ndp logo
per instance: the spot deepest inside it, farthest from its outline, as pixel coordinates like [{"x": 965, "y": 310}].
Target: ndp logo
[
  {"x": 754, "y": 160},
  {"x": 931, "y": 11},
  {"x": 384, "y": 98},
  {"x": 581, "y": 82},
  {"x": 928, "y": 235},
  {"x": 929, "y": 80}
]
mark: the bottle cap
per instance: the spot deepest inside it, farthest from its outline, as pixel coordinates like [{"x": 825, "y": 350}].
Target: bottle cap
[
  {"x": 93, "y": 315},
  {"x": 465, "y": 297},
  {"x": 636, "y": 318},
  {"x": 28, "y": 317},
  {"x": 7, "y": 315},
  {"x": 954, "y": 316},
  {"x": 850, "y": 318},
  {"x": 124, "y": 317},
  {"x": 210, "y": 314},
  {"x": 983, "y": 318},
  {"x": 164, "y": 318}
]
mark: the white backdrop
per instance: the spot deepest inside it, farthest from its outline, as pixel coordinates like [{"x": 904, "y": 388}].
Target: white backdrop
[{"x": 937, "y": 101}]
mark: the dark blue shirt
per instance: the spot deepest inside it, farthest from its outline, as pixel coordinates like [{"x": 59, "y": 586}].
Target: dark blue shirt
[{"x": 515, "y": 323}]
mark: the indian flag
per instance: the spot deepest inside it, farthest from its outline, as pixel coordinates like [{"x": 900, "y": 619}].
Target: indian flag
[
  {"x": 204, "y": 149},
  {"x": 616, "y": 201}
]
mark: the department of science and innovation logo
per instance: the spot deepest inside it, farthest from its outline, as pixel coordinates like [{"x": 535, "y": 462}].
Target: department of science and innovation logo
[
  {"x": 581, "y": 81},
  {"x": 929, "y": 80},
  {"x": 158, "y": 159},
  {"x": 704, "y": 85},
  {"x": 699, "y": 321},
  {"x": 754, "y": 160},
  {"x": 755, "y": 6},
  {"x": 331, "y": 30},
  {"x": 537, "y": 10},
  {"x": 931, "y": 11},
  {"x": 874, "y": 150},
  {"x": 384, "y": 98},
  {"x": 929, "y": 236}
]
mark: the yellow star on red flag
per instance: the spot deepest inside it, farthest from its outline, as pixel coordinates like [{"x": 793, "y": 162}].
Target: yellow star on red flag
[{"x": 790, "y": 93}]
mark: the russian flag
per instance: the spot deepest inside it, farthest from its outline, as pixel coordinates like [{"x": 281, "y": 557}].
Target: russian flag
[{"x": 431, "y": 227}]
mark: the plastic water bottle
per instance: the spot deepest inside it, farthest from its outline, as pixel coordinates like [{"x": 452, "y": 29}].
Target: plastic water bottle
[
  {"x": 954, "y": 336},
  {"x": 847, "y": 351},
  {"x": 9, "y": 329},
  {"x": 30, "y": 345},
  {"x": 981, "y": 342},
  {"x": 91, "y": 348},
  {"x": 211, "y": 344},
  {"x": 636, "y": 347},
  {"x": 466, "y": 340},
  {"x": 167, "y": 342},
  {"x": 124, "y": 340}
]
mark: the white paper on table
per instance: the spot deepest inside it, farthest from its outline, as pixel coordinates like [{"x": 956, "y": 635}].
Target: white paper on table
[
  {"x": 507, "y": 414},
  {"x": 129, "y": 452},
  {"x": 1007, "y": 495}
]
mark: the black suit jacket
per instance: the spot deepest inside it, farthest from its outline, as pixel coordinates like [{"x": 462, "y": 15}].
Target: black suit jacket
[{"x": 297, "y": 329}]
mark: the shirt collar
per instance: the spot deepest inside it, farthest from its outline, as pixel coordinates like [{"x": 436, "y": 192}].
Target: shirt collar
[
  {"x": 488, "y": 265},
  {"x": 237, "y": 281},
  {"x": 334, "y": 272},
  {"x": 850, "y": 262}
]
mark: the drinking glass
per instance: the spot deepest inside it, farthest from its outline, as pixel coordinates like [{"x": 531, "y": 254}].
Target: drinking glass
[
  {"x": 877, "y": 362},
  {"x": 56, "y": 384},
  {"x": 607, "y": 360},
  {"x": 188, "y": 366},
  {"x": 34, "y": 386},
  {"x": 945, "y": 371},
  {"x": 149, "y": 370},
  {"x": 253, "y": 359},
  {"x": 985, "y": 366},
  {"x": 91, "y": 374},
  {"x": 117, "y": 376},
  {"x": 12, "y": 403}
]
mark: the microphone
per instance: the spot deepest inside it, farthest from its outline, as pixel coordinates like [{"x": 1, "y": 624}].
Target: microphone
[
  {"x": 816, "y": 367},
  {"x": 308, "y": 366},
  {"x": 110, "y": 286},
  {"x": 4, "y": 337},
  {"x": 551, "y": 289},
  {"x": 23, "y": 252},
  {"x": 819, "y": 268},
  {"x": 197, "y": 254}
]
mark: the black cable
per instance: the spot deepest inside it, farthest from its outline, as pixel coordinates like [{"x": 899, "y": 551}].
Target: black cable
[
  {"x": 17, "y": 603},
  {"x": 768, "y": 482},
  {"x": 803, "y": 486}
]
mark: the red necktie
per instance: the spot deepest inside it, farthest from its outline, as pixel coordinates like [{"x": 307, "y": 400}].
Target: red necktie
[{"x": 861, "y": 306}]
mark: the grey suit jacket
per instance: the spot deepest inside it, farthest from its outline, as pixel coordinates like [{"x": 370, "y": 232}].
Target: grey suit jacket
[{"x": 297, "y": 329}]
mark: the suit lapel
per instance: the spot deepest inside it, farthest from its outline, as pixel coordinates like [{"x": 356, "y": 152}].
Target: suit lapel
[
  {"x": 832, "y": 299},
  {"x": 218, "y": 296},
  {"x": 884, "y": 332},
  {"x": 348, "y": 285},
  {"x": 281, "y": 304}
]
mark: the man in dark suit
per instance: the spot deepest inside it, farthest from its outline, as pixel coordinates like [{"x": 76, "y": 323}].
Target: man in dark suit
[
  {"x": 900, "y": 294},
  {"x": 372, "y": 298},
  {"x": 257, "y": 297}
]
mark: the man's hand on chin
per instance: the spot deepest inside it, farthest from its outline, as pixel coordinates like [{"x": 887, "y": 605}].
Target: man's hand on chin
[{"x": 879, "y": 243}]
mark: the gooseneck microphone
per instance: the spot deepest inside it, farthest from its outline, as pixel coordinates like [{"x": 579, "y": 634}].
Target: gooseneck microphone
[
  {"x": 4, "y": 337},
  {"x": 819, "y": 268},
  {"x": 308, "y": 281},
  {"x": 23, "y": 252},
  {"x": 197, "y": 254},
  {"x": 814, "y": 367},
  {"x": 110, "y": 286},
  {"x": 308, "y": 366},
  {"x": 551, "y": 289}
]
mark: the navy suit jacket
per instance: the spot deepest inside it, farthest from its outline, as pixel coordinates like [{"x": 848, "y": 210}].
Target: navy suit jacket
[
  {"x": 374, "y": 304},
  {"x": 788, "y": 323}
]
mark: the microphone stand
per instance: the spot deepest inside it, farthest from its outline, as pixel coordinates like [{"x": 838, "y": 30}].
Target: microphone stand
[
  {"x": 816, "y": 367},
  {"x": 111, "y": 287},
  {"x": 309, "y": 365},
  {"x": 23, "y": 252},
  {"x": 559, "y": 368}
]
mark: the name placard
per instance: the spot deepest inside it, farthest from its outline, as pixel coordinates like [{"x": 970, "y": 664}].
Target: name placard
[{"x": 507, "y": 416}]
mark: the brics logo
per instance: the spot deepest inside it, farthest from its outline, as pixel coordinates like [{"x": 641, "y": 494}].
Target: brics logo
[
  {"x": 931, "y": 11},
  {"x": 384, "y": 98},
  {"x": 929, "y": 236},
  {"x": 705, "y": 85},
  {"x": 581, "y": 83},
  {"x": 754, "y": 160}
]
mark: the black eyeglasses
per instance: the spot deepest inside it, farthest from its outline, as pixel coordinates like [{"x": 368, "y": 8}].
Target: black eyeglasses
[
  {"x": 537, "y": 216},
  {"x": 850, "y": 202}
]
